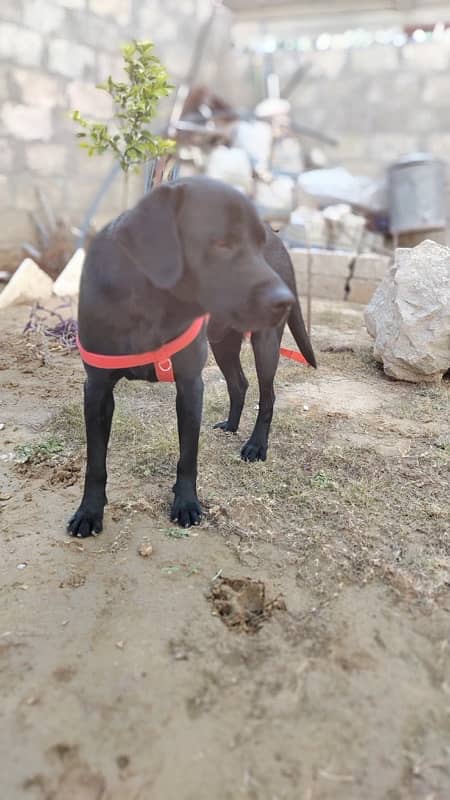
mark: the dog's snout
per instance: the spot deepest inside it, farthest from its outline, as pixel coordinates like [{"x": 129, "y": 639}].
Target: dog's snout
[
  {"x": 281, "y": 298},
  {"x": 276, "y": 300}
]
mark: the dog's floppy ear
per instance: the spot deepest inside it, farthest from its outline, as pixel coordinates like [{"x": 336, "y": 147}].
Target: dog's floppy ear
[{"x": 151, "y": 235}]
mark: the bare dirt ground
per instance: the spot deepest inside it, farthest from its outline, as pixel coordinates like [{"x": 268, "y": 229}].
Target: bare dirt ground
[{"x": 331, "y": 679}]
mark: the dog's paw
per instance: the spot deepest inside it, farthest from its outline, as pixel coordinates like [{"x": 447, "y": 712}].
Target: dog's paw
[
  {"x": 254, "y": 451},
  {"x": 225, "y": 426},
  {"x": 85, "y": 522},
  {"x": 186, "y": 512}
]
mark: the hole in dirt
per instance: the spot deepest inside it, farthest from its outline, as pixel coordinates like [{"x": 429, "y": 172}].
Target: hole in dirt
[{"x": 242, "y": 603}]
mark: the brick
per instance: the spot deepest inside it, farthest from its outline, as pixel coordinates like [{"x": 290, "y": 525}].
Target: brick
[
  {"x": 6, "y": 156},
  {"x": 43, "y": 16},
  {"x": 47, "y": 159},
  {"x": 20, "y": 45},
  {"x": 119, "y": 9},
  {"x": 375, "y": 59},
  {"x": 425, "y": 57},
  {"x": 89, "y": 100},
  {"x": 70, "y": 59},
  {"x": 27, "y": 122},
  {"x": 361, "y": 290},
  {"x": 371, "y": 266},
  {"x": 38, "y": 88}
]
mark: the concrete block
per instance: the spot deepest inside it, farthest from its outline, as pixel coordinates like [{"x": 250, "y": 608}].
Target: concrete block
[
  {"x": 90, "y": 101},
  {"x": 152, "y": 17},
  {"x": 28, "y": 284},
  {"x": 16, "y": 227},
  {"x": 11, "y": 10},
  {"x": 436, "y": 89},
  {"x": 109, "y": 64},
  {"x": 25, "y": 186},
  {"x": 27, "y": 122},
  {"x": 375, "y": 59},
  {"x": 119, "y": 9},
  {"x": 43, "y": 16},
  {"x": 329, "y": 273},
  {"x": 324, "y": 262},
  {"x": 5, "y": 192},
  {"x": 425, "y": 57},
  {"x": 47, "y": 159},
  {"x": 67, "y": 283},
  {"x": 324, "y": 286},
  {"x": 178, "y": 54},
  {"x": 328, "y": 287},
  {"x": 386, "y": 148},
  {"x": 439, "y": 145},
  {"x": 6, "y": 155},
  {"x": 361, "y": 290},
  {"x": 69, "y": 58},
  {"x": 328, "y": 63},
  {"x": 371, "y": 266},
  {"x": 38, "y": 89},
  {"x": 351, "y": 147},
  {"x": 4, "y": 86},
  {"x": 19, "y": 45},
  {"x": 73, "y": 4}
]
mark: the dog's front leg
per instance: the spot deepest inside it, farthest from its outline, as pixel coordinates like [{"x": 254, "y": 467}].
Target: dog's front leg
[
  {"x": 98, "y": 414},
  {"x": 186, "y": 508},
  {"x": 266, "y": 349}
]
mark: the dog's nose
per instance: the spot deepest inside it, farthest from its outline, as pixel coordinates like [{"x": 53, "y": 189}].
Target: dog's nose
[{"x": 279, "y": 300}]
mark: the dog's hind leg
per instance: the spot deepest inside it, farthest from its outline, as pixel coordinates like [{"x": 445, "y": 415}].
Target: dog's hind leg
[
  {"x": 266, "y": 349},
  {"x": 185, "y": 508},
  {"x": 226, "y": 352},
  {"x": 98, "y": 414}
]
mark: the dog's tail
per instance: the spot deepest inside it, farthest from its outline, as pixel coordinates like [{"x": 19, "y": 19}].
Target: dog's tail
[{"x": 297, "y": 327}]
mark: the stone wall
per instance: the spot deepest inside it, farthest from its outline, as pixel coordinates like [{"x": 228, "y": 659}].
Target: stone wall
[
  {"x": 379, "y": 101},
  {"x": 52, "y": 53}
]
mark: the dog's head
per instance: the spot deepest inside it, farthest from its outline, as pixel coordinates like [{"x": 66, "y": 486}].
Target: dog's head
[{"x": 203, "y": 241}]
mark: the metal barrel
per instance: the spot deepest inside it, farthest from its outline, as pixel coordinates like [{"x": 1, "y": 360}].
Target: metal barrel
[{"x": 418, "y": 194}]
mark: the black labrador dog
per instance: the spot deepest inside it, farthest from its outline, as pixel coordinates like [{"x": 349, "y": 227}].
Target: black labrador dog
[{"x": 189, "y": 248}]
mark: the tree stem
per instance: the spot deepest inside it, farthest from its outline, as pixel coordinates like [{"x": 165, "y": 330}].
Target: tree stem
[{"x": 125, "y": 191}]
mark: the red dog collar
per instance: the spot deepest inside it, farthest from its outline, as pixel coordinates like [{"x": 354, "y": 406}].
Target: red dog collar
[{"x": 161, "y": 358}]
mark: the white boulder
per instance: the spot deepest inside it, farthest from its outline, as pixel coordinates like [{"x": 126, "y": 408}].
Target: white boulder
[
  {"x": 28, "y": 284},
  {"x": 409, "y": 314},
  {"x": 67, "y": 283}
]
